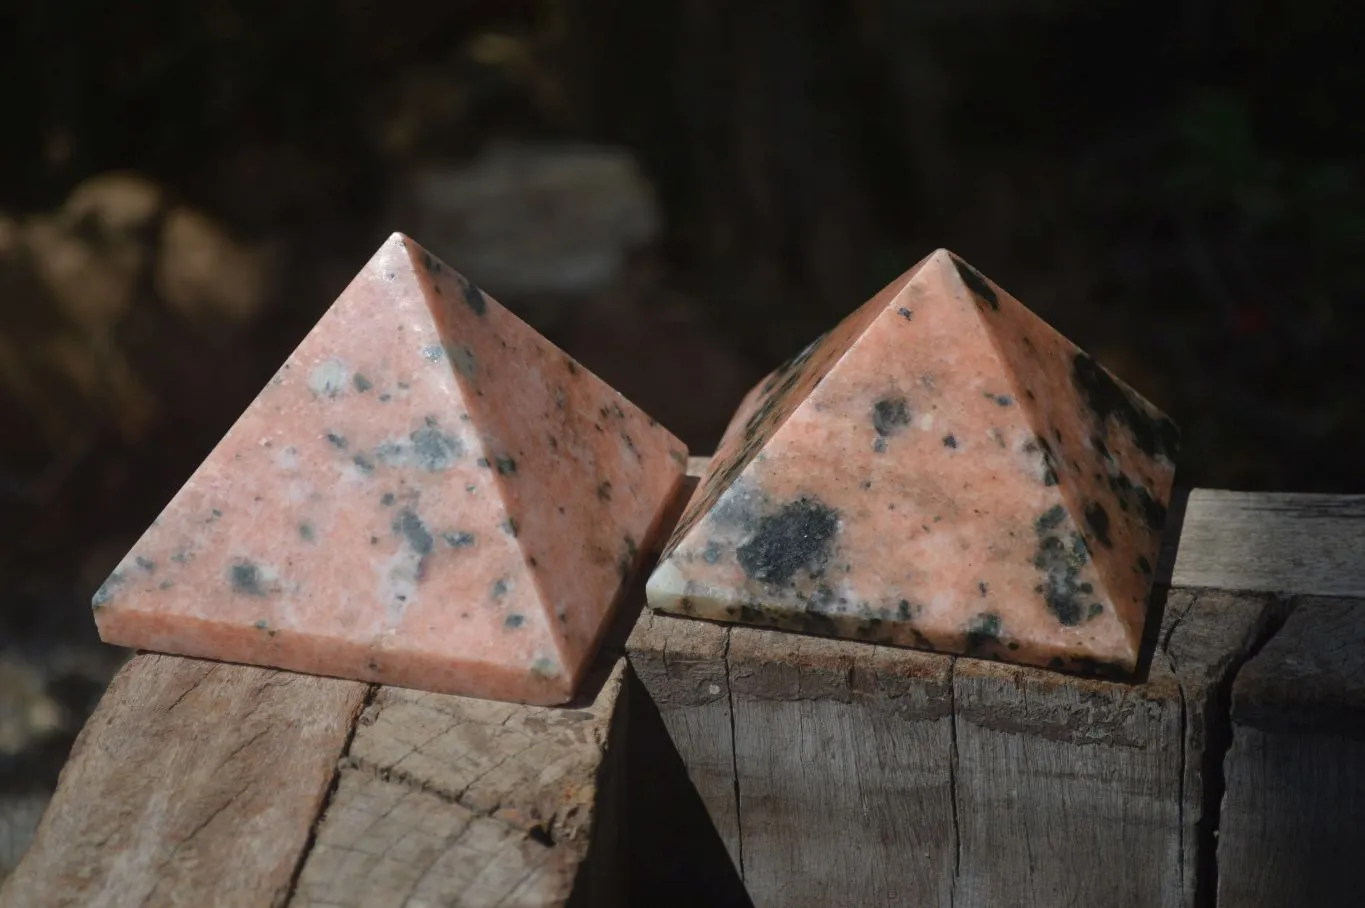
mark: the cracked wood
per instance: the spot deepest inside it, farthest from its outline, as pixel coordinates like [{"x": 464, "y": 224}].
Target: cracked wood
[
  {"x": 1293, "y": 819},
  {"x": 448, "y": 800},
  {"x": 192, "y": 777},
  {"x": 873, "y": 775}
]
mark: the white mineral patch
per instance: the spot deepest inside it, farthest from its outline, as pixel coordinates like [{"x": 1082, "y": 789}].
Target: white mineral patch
[
  {"x": 398, "y": 582},
  {"x": 329, "y": 378}
]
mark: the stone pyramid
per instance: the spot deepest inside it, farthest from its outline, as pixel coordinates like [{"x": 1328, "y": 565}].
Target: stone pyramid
[
  {"x": 944, "y": 471},
  {"x": 428, "y": 493}
]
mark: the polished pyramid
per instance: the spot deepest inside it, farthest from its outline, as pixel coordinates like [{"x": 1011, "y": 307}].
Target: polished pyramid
[
  {"x": 943, "y": 471},
  {"x": 428, "y": 494}
]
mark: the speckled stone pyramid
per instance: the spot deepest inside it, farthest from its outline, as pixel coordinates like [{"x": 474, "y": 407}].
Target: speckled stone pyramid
[
  {"x": 428, "y": 493},
  {"x": 943, "y": 471}
]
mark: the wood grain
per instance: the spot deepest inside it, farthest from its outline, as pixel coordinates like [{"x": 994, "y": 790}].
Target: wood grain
[
  {"x": 871, "y": 775},
  {"x": 452, "y": 801},
  {"x": 682, "y": 666},
  {"x": 1275, "y": 542},
  {"x": 1293, "y": 821},
  {"x": 192, "y": 779},
  {"x": 1072, "y": 791},
  {"x": 843, "y": 757}
]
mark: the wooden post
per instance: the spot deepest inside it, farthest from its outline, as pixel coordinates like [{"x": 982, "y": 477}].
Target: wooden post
[
  {"x": 1293, "y": 821},
  {"x": 234, "y": 785},
  {"x": 867, "y": 775}
]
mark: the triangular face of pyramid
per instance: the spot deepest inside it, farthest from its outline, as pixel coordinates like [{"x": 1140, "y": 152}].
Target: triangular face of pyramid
[
  {"x": 954, "y": 475},
  {"x": 428, "y": 493}
]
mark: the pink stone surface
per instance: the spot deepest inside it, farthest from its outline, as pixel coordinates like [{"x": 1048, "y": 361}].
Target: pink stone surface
[
  {"x": 428, "y": 493},
  {"x": 942, "y": 471}
]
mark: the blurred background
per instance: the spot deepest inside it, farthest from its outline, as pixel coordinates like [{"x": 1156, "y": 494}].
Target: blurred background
[{"x": 679, "y": 193}]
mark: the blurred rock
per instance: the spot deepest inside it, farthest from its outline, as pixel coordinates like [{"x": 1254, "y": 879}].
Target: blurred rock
[
  {"x": 27, "y": 713},
  {"x": 528, "y": 220},
  {"x": 86, "y": 290},
  {"x": 205, "y": 275}
]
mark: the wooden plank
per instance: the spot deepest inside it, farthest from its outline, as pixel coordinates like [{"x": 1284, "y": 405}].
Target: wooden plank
[
  {"x": 447, "y": 800},
  {"x": 682, "y": 666},
  {"x": 1276, "y": 542},
  {"x": 1293, "y": 820},
  {"x": 872, "y": 775},
  {"x": 843, "y": 761},
  {"x": 191, "y": 777},
  {"x": 1073, "y": 791}
]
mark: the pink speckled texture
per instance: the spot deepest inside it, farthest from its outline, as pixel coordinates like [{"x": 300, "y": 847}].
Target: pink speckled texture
[
  {"x": 942, "y": 471},
  {"x": 427, "y": 494}
]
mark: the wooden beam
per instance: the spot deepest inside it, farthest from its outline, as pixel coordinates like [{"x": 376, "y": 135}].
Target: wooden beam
[
  {"x": 1311, "y": 545},
  {"x": 872, "y": 775},
  {"x": 207, "y": 778},
  {"x": 1293, "y": 820},
  {"x": 448, "y": 800},
  {"x": 190, "y": 777}
]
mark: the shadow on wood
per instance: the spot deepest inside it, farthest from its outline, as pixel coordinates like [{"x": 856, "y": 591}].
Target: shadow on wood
[{"x": 675, "y": 855}]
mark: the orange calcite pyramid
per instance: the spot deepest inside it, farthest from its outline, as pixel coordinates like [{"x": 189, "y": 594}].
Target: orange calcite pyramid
[
  {"x": 428, "y": 494},
  {"x": 943, "y": 471}
]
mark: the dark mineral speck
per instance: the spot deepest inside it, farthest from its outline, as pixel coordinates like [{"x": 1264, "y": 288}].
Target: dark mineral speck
[
  {"x": 1097, "y": 518},
  {"x": 146, "y": 564},
  {"x": 364, "y": 464},
  {"x": 106, "y": 590},
  {"x": 604, "y": 491},
  {"x": 800, "y": 535},
  {"x": 983, "y": 587},
  {"x": 473, "y": 297},
  {"x": 362, "y": 384},
  {"x": 408, "y": 525},
  {"x": 1143, "y": 564},
  {"x": 387, "y": 499},
  {"x": 246, "y": 579},
  {"x": 977, "y": 284},
  {"x": 1050, "y": 519},
  {"x": 890, "y": 415},
  {"x": 983, "y": 631},
  {"x": 306, "y": 532},
  {"x": 499, "y": 588},
  {"x": 514, "y": 620},
  {"x": 460, "y": 540},
  {"x": 1107, "y": 398},
  {"x": 506, "y": 465},
  {"x": 626, "y": 563},
  {"x": 336, "y": 441},
  {"x": 1061, "y": 566},
  {"x": 905, "y": 313},
  {"x": 950, "y": 441},
  {"x": 509, "y": 526},
  {"x": 434, "y": 450}
]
